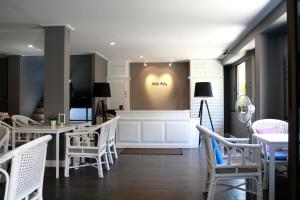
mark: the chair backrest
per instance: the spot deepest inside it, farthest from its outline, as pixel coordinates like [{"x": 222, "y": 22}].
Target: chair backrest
[
  {"x": 4, "y": 138},
  {"x": 6, "y": 125},
  {"x": 20, "y": 120},
  {"x": 280, "y": 125},
  {"x": 10, "y": 130},
  {"x": 103, "y": 135},
  {"x": 206, "y": 135},
  {"x": 112, "y": 128},
  {"x": 27, "y": 169}
]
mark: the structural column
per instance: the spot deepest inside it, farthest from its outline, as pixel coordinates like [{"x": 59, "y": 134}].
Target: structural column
[{"x": 57, "y": 71}]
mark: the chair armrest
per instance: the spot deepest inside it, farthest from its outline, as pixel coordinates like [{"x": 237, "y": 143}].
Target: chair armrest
[
  {"x": 6, "y": 157},
  {"x": 7, "y": 182},
  {"x": 32, "y": 122},
  {"x": 238, "y": 140}
]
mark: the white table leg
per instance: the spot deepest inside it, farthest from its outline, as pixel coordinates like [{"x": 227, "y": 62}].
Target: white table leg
[
  {"x": 13, "y": 139},
  {"x": 271, "y": 173},
  {"x": 57, "y": 155}
]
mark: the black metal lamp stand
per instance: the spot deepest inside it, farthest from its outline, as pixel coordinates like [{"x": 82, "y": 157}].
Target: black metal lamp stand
[
  {"x": 203, "y": 89},
  {"x": 200, "y": 116}
]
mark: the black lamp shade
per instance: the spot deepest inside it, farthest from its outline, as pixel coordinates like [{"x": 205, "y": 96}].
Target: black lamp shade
[
  {"x": 203, "y": 89},
  {"x": 101, "y": 90}
]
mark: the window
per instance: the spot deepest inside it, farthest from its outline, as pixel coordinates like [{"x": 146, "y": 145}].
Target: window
[
  {"x": 241, "y": 79},
  {"x": 81, "y": 114}
]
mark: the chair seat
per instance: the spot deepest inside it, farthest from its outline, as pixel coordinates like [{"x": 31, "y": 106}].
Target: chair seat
[
  {"x": 88, "y": 151},
  {"x": 236, "y": 168}
]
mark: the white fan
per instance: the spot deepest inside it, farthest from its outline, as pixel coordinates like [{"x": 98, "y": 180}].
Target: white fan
[{"x": 245, "y": 110}]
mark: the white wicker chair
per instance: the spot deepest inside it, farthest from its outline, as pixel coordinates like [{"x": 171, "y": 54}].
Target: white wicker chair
[
  {"x": 282, "y": 127},
  {"x": 10, "y": 128},
  {"x": 21, "y": 121},
  {"x": 241, "y": 161},
  {"x": 81, "y": 145},
  {"x": 111, "y": 142},
  {"x": 25, "y": 180},
  {"x": 4, "y": 139}
]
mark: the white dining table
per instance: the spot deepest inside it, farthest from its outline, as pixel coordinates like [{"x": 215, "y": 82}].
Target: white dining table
[
  {"x": 273, "y": 141},
  {"x": 45, "y": 129}
]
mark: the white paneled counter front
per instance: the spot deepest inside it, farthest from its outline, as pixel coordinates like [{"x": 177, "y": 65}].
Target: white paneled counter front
[{"x": 161, "y": 129}]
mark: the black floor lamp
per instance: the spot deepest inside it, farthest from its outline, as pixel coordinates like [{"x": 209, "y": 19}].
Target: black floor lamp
[
  {"x": 203, "y": 89},
  {"x": 101, "y": 90}
]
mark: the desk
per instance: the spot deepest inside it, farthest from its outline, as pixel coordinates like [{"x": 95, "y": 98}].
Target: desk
[
  {"x": 155, "y": 129},
  {"x": 273, "y": 141},
  {"x": 44, "y": 129}
]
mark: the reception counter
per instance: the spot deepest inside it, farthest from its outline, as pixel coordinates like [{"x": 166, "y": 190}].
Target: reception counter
[{"x": 156, "y": 129}]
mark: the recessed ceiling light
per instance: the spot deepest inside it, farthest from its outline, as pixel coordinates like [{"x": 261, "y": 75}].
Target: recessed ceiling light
[
  {"x": 141, "y": 56},
  {"x": 30, "y": 46},
  {"x": 112, "y": 43}
]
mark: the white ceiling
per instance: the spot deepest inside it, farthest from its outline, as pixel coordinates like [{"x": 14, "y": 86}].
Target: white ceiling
[{"x": 157, "y": 29}]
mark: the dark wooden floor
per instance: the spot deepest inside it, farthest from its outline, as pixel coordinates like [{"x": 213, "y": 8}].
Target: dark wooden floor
[
  {"x": 142, "y": 177},
  {"x": 138, "y": 177}
]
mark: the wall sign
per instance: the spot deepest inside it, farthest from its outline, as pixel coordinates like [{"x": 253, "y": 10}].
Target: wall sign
[{"x": 159, "y": 83}]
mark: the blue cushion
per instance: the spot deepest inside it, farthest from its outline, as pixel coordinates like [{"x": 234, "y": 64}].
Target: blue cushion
[
  {"x": 280, "y": 155},
  {"x": 218, "y": 159}
]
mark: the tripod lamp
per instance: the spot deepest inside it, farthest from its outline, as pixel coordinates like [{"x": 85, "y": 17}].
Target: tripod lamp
[
  {"x": 102, "y": 90},
  {"x": 203, "y": 89}
]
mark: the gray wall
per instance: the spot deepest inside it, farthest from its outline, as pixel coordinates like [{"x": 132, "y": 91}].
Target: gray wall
[
  {"x": 270, "y": 72},
  {"x": 81, "y": 73},
  {"x": 14, "y": 72},
  {"x": 31, "y": 83},
  {"x": 232, "y": 124},
  {"x": 99, "y": 68},
  {"x": 265, "y": 82},
  {"x": 99, "y": 74},
  {"x": 57, "y": 71},
  {"x": 146, "y": 96},
  {"x": 25, "y": 83},
  {"x": 3, "y": 84}
]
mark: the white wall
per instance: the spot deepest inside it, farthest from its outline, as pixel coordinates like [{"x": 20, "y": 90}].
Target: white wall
[
  {"x": 118, "y": 77},
  {"x": 208, "y": 71},
  {"x": 200, "y": 70}
]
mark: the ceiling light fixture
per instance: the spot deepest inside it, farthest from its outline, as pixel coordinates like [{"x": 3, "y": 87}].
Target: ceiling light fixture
[
  {"x": 112, "y": 43},
  {"x": 141, "y": 56},
  {"x": 226, "y": 52},
  {"x": 30, "y": 46}
]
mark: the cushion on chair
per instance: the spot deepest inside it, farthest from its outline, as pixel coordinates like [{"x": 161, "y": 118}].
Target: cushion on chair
[
  {"x": 280, "y": 155},
  {"x": 219, "y": 159},
  {"x": 267, "y": 130}
]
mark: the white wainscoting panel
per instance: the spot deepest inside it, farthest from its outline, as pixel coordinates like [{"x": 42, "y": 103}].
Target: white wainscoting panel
[
  {"x": 129, "y": 131},
  {"x": 177, "y": 131},
  {"x": 153, "y": 131}
]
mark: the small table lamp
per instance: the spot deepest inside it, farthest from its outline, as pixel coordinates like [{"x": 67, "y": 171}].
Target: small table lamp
[
  {"x": 203, "y": 89},
  {"x": 102, "y": 90}
]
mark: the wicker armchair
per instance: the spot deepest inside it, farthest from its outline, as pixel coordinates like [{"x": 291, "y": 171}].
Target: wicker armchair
[
  {"x": 111, "y": 142},
  {"x": 4, "y": 139},
  {"x": 82, "y": 145},
  {"x": 241, "y": 161},
  {"x": 282, "y": 128},
  {"x": 25, "y": 180},
  {"x": 21, "y": 121}
]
